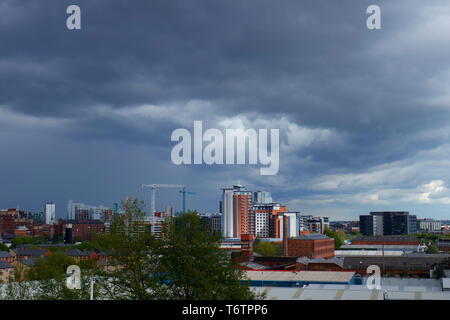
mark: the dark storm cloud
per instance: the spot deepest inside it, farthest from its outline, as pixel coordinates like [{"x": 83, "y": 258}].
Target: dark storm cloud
[{"x": 314, "y": 63}]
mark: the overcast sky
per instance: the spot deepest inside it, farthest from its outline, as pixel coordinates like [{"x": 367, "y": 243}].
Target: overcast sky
[{"x": 363, "y": 115}]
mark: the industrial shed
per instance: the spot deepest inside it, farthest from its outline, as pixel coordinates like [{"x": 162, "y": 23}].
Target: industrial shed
[{"x": 297, "y": 279}]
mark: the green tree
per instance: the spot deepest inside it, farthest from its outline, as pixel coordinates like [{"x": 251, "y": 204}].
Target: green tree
[
  {"x": 52, "y": 266},
  {"x": 338, "y": 236},
  {"x": 3, "y": 247},
  {"x": 194, "y": 265},
  {"x": 185, "y": 263},
  {"x": 101, "y": 242},
  {"x": 49, "y": 276},
  {"x": 266, "y": 249},
  {"x": 134, "y": 268},
  {"x": 432, "y": 249}
]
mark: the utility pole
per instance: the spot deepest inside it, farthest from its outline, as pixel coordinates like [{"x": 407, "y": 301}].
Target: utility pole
[{"x": 91, "y": 289}]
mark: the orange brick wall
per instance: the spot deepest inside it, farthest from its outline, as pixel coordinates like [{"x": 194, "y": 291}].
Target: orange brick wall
[{"x": 321, "y": 248}]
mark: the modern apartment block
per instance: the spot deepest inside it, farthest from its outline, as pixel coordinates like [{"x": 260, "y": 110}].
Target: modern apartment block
[
  {"x": 212, "y": 222},
  {"x": 254, "y": 213},
  {"x": 268, "y": 219},
  {"x": 237, "y": 212},
  {"x": 85, "y": 212},
  {"x": 262, "y": 225},
  {"x": 262, "y": 197},
  {"x": 385, "y": 223},
  {"x": 314, "y": 224},
  {"x": 429, "y": 225}
]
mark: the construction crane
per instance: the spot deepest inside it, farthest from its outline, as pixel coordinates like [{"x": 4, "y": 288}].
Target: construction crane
[
  {"x": 154, "y": 187},
  {"x": 184, "y": 192}
]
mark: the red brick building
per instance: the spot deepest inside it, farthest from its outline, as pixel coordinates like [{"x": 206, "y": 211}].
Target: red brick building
[
  {"x": 444, "y": 245},
  {"x": 10, "y": 219},
  {"x": 311, "y": 246},
  {"x": 7, "y": 257},
  {"x": 276, "y": 263},
  {"x": 85, "y": 230},
  {"x": 28, "y": 253},
  {"x": 22, "y": 231},
  {"x": 45, "y": 230},
  {"x": 247, "y": 246},
  {"x": 387, "y": 240}
]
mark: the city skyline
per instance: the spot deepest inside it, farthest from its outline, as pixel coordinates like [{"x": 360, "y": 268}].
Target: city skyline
[
  {"x": 363, "y": 114},
  {"x": 64, "y": 213}
]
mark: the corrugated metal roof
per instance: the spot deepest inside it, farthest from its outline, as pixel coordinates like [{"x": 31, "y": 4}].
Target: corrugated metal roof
[
  {"x": 391, "y": 288},
  {"x": 300, "y": 276},
  {"x": 253, "y": 265},
  {"x": 373, "y": 253},
  {"x": 419, "y": 260},
  {"x": 446, "y": 283},
  {"x": 379, "y": 247},
  {"x": 306, "y": 261}
]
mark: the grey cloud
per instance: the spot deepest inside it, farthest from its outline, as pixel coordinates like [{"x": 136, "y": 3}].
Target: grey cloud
[{"x": 382, "y": 95}]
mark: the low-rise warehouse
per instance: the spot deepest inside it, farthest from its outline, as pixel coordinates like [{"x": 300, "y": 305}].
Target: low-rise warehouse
[
  {"x": 297, "y": 279},
  {"x": 391, "y": 289}
]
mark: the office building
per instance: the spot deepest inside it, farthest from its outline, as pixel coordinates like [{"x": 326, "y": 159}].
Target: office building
[
  {"x": 292, "y": 229},
  {"x": 386, "y": 223},
  {"x": 213, "y": 223},
  {"x": 216, "y": 223},
  {"x": 50, "y": 211},
  {"x": 85, "y": 212},
  {"x": 262, "y": 197},
  {"x": 429, "y": 225},
  {"x": 313, "y": 224}
]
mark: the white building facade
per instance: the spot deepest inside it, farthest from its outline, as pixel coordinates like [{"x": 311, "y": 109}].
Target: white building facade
[{"x": 50, "y": 213}]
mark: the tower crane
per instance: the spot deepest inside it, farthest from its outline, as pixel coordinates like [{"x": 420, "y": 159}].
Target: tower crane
[
  {"x": 153, "y": 191},
  {"x": 185, "y": 192}
]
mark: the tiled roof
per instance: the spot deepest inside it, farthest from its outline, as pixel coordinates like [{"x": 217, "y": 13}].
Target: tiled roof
[
  {"x": 78, "y": 253},
  {"x": 5, "y": 265},
  {"x": 415, "y": 261},
  {"x": 29, "y": 252},
  {"x": 28, "y": 262},
  {"x": 5, "y": 254}
]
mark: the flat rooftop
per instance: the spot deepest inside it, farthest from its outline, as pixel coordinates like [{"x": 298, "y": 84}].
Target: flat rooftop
[
  {"x": 367, "y": 253},
  {"x": 391, "y": 289},
  {"x": 313, "y": 236},
  {"x": 378, "y": 247},
  {"x": 300, "y": 276}
]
